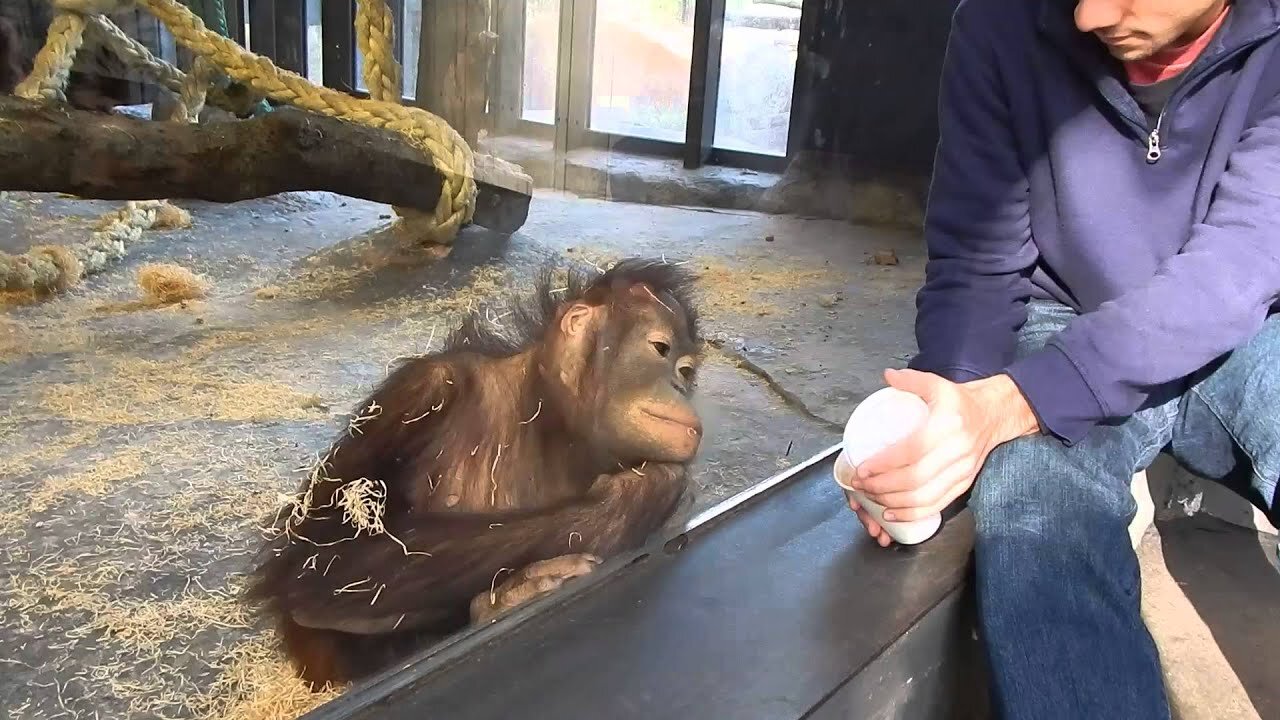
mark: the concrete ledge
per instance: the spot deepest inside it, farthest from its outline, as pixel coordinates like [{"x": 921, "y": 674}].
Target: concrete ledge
[
  {"x": 1208, "y": 598},
  {"x": 813, "y": 185},
  {"x": 1206, "y": 627}
]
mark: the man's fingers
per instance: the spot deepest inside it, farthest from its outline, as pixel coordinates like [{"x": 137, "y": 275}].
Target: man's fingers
[
  {"x": 910, "y": 449},
  {"x": 917, "y": 513},
  {"x": 899, "y": 455},
  {"x": 911, "y": 477},
  {"x": 873, "y": 528},
  {"x": 874, "y": 531},
  {"x": 931, "y": 497}
]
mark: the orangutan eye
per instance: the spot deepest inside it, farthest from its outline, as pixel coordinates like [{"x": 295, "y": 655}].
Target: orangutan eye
[
  {"x": 687, "y": 373},
  {"x": 662, "y": 348}
]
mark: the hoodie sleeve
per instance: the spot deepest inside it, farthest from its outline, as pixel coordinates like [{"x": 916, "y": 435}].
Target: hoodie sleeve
[
  {"x": 977, "y": 225},
  {"x": 1202, "y": 303}
]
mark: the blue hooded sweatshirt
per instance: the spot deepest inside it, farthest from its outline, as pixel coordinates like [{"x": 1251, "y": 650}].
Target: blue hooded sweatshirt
[{"x": 1051, "y": 182}]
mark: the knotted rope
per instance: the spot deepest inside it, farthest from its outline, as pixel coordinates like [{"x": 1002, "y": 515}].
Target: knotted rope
[
  {"x": 54, "y": 267},
  {"x": 217, "y": 56}
]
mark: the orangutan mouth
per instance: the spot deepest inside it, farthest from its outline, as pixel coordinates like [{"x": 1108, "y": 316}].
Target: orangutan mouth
[{"x": 689, "y": 423}]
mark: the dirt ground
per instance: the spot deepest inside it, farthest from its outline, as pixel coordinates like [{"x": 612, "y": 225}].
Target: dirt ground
[{"x": 142, "y": 446}]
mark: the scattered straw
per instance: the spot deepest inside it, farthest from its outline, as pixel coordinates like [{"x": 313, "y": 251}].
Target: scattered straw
[
  {"x": 171, "y": 216},
  {"x": 363, "y": 502},
  {"x": 493, "y": 477},
  {"x": 166, "y": 283},
  {"x": 135, "y": 391},
  {"x": 141, "y": 626},
  {"x": 97, "y": 481},
  {"x": 748, "y": 285},
  {"x": 111, "y": 630},
  {"x": 257, "y": 684}
]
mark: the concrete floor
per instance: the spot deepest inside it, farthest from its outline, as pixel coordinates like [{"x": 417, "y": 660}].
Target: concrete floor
[
  {"x": 1210, "y": 593},
  {"x": 140, "y": 447}
]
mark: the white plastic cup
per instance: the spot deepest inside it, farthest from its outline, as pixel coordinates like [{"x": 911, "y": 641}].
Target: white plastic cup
[{"x": 882, "y": 419}]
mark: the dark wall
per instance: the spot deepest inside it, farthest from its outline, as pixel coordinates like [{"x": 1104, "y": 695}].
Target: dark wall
[{"x": 867, "y": 82}]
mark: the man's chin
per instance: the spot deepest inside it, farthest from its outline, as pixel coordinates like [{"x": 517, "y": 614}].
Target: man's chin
[
  {"x": 1129, "y": 54},
  {"x": 1129, "y": 51}
]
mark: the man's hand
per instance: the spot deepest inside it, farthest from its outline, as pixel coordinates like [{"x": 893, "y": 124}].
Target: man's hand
[{"x": 938, "y": 463}]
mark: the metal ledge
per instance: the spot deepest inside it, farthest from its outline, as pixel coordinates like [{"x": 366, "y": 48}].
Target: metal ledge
[{"x": 772, "y": 604}]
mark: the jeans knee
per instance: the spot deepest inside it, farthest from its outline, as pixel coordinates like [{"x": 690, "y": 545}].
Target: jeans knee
[
  {"x": 1037, "y": 489},
  {"x": 1234, "y": 406}
]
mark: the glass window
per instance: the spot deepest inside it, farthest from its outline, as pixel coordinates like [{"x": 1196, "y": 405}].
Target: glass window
[
  {"x": 412, "y": 41},
  {"x": 640, "y": 68},
  {"x": 757, "y": 72}
]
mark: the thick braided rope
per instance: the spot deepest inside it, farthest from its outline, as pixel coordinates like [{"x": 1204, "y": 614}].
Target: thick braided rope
[
  {"x": 48, "y": 77},
  {"x": 376, "y": 37},
  {"x": 449, "y": 152},
  {"x": 46, "y": 267}
]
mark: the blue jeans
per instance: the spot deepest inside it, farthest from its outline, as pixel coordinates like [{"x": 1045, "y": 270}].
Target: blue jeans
[{"x": 1058, "y": 582}]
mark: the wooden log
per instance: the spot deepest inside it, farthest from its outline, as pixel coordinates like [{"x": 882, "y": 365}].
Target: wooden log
[
  {"x": 54, "y": 148},
  {"x": 505, "y": 191}
]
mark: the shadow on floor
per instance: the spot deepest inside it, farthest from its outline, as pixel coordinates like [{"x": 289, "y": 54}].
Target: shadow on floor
[{"x": 1229, "y": 575}]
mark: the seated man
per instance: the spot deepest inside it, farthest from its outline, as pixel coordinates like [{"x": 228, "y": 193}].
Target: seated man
[{"x": 1104, "y": 263}]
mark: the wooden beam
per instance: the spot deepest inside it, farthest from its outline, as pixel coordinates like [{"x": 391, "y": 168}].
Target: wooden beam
[
  {"x": 504, "y": 192},
  {"x": 54, "y": 148},
  {"x": 508, "y": 95}
]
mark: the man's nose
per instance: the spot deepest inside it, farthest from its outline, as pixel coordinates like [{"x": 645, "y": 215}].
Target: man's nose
[{"x": 1094, "y": 15}]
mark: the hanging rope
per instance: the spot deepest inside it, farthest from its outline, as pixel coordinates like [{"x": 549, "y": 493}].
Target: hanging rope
[
  {"x": 446, "y": 148},
  {"x": 376, "y": 40}
]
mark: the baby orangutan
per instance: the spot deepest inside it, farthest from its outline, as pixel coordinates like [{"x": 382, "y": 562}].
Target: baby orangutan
[{"x": 494, "y": 470}]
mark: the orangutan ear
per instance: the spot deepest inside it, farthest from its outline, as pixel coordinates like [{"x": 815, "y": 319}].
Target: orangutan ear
[{"x": 578, "y": 319}]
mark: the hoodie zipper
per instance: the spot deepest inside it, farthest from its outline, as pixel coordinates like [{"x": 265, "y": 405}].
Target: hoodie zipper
[{"x": 1153, "y": 139}]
